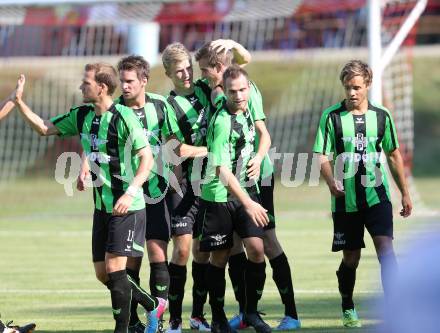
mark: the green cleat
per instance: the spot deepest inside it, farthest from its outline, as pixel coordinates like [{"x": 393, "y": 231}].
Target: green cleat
[{"x": 350, "y": 319}]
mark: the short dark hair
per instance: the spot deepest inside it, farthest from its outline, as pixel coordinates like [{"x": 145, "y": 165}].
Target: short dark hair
[
  {"x": 206, "y": 51},
  {"x": 104, "y": 74},
  {"x": 356, "y": 68},
  {"x": 234, "y": 72},
  {"x": 135, "y": 63}
]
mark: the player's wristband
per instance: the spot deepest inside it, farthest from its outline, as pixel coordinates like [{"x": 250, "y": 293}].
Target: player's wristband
[{"x": 132, "y": 191}]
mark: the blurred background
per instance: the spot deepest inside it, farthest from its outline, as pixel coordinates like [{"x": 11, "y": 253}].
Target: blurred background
[{"x": 298, "y": 48}]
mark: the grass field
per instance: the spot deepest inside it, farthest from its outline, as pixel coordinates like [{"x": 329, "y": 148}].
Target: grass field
[{"x": 47, "y": 275}]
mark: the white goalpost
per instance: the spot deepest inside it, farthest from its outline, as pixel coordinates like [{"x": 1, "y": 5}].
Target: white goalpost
[
  {"x": 379, "y": 60},
  {"x": 380, "y": 56}
]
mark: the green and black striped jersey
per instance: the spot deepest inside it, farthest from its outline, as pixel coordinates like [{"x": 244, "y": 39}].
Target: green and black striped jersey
[
  {"x": 189, "y": 123},
  {"x": 110, "y": 142},
  {"x": 255, "y": 105},
  {"x": 356, "y": 142},
  {"x": 153, "y": 117},
  {"x": 231, "y": 143}
]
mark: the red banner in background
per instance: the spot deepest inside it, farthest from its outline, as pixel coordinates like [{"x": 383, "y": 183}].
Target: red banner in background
[
  {"x": 194, "y": 11},
  {"x": 56, "y": 16}
]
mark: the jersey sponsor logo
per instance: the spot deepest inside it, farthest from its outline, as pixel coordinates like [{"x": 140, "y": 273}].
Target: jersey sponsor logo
[
  {"x": 161, "y": 288},
  {"x": 98, "y": 157},
  {"x": 218, "y": 240},
  {"x": 373, "y": 157},
  {"x": 338, "y": 238}
]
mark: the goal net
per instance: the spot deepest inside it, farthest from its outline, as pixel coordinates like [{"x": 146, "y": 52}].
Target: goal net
[{"x": 52, "y": 44}]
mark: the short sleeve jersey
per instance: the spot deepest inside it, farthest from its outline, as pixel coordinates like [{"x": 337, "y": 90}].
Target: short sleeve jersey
[
  {"x": 356, "y": 143},
  {"x": 110, "y": 142},
  {"x": 255, "y": 105},
  {"x": 155, "y": 126},
  {"x": 189, "y": 123},
  {"x": 231, "y": 143}
]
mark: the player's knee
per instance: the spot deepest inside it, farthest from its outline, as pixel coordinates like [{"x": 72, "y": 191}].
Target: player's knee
[
  {"x": 181, "y": 255},
  {"x": 255, "y": 252},
  {"x": 272, "y": 248},
  {"x": 200, "y": 257},
  {"x": 383, "y": 245},
  {"x": 219, "y": 258},
  {"x": 101, "y": 276},
  {"x": 352, "y": 261}
]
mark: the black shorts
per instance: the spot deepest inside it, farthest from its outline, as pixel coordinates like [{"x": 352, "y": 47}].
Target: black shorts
[
  {"x": 185, "y": 210},
  {"x": 220, "y": 220},
  {"x": 349, "y": 227},
  {"x": 120, "y": 235},
  {"x": 266, "y": 195},
  {"x": 158, "y": 219}
]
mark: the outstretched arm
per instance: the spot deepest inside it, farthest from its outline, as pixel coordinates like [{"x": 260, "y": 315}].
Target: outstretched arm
[
  {"x": 5, "y": 107},
  {"x": 188, "y": 151},
  {"x": 41, "y": 126},
  {"x": 397, "y": 170},
  {"x": 241, "y": 56}
]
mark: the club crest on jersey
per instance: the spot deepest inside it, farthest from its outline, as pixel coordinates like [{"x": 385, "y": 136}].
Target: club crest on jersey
[{"x": 94, "y": 140}]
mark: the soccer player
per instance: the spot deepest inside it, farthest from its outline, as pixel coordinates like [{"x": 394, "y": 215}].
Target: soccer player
[
  {"x": 212, "y": 65},
  {"x": 120, "y": 159},
  {"x": 356, "y": 131},
  {"x": 232, "y": 204},
  {"x": 191, "y": 102},
  {"x": 151, "y": 109}
]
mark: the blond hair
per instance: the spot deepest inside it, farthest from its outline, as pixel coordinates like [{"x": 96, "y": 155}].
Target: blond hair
[
  {"x": 174, "y": 53},
  {"x": 356, "y": 68}
]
